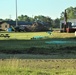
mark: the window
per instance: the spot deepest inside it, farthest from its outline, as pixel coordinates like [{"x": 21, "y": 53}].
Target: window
[
  {"x": 5, "y": 26},
  {"x": 0, "y": 26}
]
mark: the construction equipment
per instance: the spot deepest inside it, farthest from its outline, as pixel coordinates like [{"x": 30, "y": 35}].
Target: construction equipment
[{"x": 13, "y": 28}]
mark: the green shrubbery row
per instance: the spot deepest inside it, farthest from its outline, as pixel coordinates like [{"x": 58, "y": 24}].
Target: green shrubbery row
[{"x": 41, "y": 50}]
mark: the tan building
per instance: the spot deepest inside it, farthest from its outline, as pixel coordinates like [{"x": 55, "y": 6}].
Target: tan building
[
  {"x": 7, "y": 24},
  {"x": 4, "y": 26}
]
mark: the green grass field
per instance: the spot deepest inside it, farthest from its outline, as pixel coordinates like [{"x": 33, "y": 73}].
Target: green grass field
[
  {"x": 21, "y": 43},
  {"x": 38, "y": 67},
  {"x": 29, "y": 35},
  {"x": 24, "y": 36},
  {"x": 20, "y": 55}
]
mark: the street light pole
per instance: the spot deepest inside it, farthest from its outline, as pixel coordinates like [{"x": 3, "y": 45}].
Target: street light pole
[{"x": 16, "y": 15}]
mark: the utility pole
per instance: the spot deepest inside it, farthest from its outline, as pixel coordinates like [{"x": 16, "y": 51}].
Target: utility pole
[
  {"x": 16, "y": 15},
  {"x": 10, "y": 17},
  {"x": 65, "y": 20}
]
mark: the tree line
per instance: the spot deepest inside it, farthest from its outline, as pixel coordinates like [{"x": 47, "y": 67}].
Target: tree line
[{"x": 55, "y": 23}]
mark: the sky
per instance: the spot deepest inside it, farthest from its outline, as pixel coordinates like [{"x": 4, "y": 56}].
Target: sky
[{"x": 51, "y": 8}]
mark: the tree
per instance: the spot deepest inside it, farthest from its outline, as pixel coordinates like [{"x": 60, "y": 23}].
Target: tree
[
  {"x": 23, "y": 18},
  {"x": 71, "y": 13},
  {"x": 31, "y": 19},
  {"x": 45, "y": 19},
  {"x": 39, "y": 18},
  {"x": 1, "y": 20},
  {"x": 8, "y": 19},
  {"x": 56, "y": 23}
]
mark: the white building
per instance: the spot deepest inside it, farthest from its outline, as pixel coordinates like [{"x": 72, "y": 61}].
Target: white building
[{"x": 71, "y": 25}]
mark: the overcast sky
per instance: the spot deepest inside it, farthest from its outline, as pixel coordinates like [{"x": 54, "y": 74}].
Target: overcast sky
[{"x": 51, "y": 8}]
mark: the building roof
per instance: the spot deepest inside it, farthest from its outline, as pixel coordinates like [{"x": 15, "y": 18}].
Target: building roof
[{"x": 19, "y": 22}]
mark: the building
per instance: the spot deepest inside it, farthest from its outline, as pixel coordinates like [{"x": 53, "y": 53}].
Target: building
[
  {"x": 70, "y": 26},
  {"x": 7, "y": 24},
  {"x": 24, "y": 26}
]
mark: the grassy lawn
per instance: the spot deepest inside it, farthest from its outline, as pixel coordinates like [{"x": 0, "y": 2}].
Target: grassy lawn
[
  {"x": 20, "y": 55},
  {"x": 24, "y": 36},
  {"x": 29, "y": 35},
  {"x": 21, "y": 43},
  {"x": 38, "y": 67}
]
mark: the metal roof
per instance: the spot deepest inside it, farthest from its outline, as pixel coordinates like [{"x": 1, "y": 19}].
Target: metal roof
[{"x": 19, "y": 22}]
